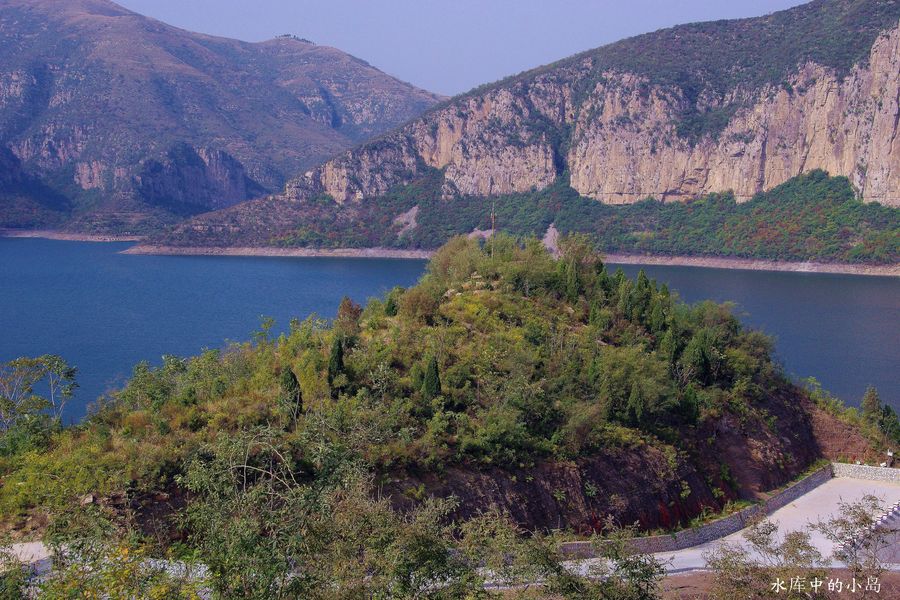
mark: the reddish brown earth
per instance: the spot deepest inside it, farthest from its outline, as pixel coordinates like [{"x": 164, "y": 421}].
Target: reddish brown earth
[{"x": 732, "y": 458}]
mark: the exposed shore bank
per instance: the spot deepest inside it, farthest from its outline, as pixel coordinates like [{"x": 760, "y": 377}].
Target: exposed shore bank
[
  {"x": 281, "y": 252},
  {"x": 710, "y": 262},
  {"x": 49, "y": 234},
  {"x": 623, "y": 259}
]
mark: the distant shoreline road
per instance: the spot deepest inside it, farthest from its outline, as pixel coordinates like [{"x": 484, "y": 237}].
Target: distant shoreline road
[
  {"x": 709, "y": 262},
  {"x": 751, "y": 264},
  {"x": 48, "y": 234},
  {"x": 281, "y": 252}
]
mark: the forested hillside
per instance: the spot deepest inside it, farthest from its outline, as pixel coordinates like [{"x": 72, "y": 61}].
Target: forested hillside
[{"x": 811, "y": 217}]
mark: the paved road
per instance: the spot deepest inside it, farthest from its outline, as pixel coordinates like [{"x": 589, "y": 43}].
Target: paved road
[{"x": 819, "y": 504}]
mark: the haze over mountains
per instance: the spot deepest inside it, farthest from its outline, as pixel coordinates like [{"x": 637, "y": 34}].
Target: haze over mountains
[
  {"x": 111, "y": 121},
  {"x": 740, "y": 105}
]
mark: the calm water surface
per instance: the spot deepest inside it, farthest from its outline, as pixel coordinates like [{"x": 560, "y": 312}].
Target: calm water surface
[
  {"x": 844, "y": 330},
  {"x": 104, "y": 311}
]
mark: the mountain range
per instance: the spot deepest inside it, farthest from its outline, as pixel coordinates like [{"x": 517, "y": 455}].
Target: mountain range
[
  {"x": 111, "y": 121},
  {"x": 773, "y": 137},
  {"x": 737, "y": 107}
]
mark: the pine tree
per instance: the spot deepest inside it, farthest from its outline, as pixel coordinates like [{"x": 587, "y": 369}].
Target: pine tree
[
  {"x": 668, "y": 346},
  {"x": 871, "y": 404},
  {"x": 657, "y": 316},
  {"x": 573, "y": 286},
  {"x": 642, "y": 294},
  {"x": 290, "y": 387},
  {"x": 431, "y": 386},
  {"x": 689, "y": 406},
  {"x": 390, "y": 306},
  {"x": 335, "y": 364},
  {"x": 889, "y": 424},
  {"x": 636, "y": 405}
]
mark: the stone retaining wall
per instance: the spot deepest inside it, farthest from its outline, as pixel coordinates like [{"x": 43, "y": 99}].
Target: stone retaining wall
[
  {"x": 737, "y": 521},
  {"x": 866, "y": 472},
  {"x": 716, "y": 529}
]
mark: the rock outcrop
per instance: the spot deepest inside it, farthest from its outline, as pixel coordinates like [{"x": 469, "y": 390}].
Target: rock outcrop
[
  {"x": 115, "y": 110},
  {"x": 628, "y": 149},
  {"x": 620, "y": 142}
]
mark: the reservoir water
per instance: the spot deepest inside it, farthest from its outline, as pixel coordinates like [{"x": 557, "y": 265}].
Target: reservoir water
[{"x": 104, "y": 311}]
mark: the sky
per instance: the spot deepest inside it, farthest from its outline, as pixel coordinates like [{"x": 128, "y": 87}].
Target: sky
[{"x": 448, "y": 46}]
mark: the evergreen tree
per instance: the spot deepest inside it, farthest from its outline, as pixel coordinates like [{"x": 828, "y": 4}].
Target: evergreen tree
[
  {"x": 595, "y": 315},
  {"x": 636, "y": 405},
  {"x": 702, "y": 357},
  {"x": 689, "y": 406},
  {"x": 290, "y": 387},
  {"x": 572, "y": 283},
  {"x": 335, "y": 364},
  {"x": 624, "y": 298},
  {"x": 657, "y": 316},
  {"x": 890, "y": 424},
  {"x": 871, "y": 404},
  {"x": 390, "y": 306},
  {"x": 431, "y": 386},
  {"x": 668, "y": 348}
]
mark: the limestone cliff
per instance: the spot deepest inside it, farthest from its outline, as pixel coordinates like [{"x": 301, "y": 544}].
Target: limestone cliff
[
  {"x": 618, "y": 134},
  {"x": 625, "y": 147}
]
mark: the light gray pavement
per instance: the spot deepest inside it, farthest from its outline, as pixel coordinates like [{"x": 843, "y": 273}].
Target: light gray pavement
[{"x": 819, "y": 504}]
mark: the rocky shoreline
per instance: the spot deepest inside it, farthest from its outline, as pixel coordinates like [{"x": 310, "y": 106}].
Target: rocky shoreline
[
  {"x": 49, "y": 234},
  {"x": 750, "y": 264},
  {"x": 620, "y": 259},
  {"x": 709, "y": 262},
  {"x": 281, "y": 252}
]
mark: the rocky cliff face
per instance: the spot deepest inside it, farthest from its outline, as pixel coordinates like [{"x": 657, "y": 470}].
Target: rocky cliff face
[
  {"x": 111, "y": 108},
  {"x": 618, "y": 136},
  {"x": 625, "y": 147}
]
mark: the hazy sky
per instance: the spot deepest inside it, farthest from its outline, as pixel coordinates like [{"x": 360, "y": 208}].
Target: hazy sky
[{"x": 448, "y": 46}]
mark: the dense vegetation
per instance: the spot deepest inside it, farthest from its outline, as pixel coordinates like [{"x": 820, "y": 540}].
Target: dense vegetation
[
  {"x": 811, "y": 217},
  {"x": 269, "y": 451}
]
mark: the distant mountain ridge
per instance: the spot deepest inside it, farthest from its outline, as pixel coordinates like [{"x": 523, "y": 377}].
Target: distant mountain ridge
[
  {"x": 741, "y": 106},
  {"x": 132, "y": 123}
]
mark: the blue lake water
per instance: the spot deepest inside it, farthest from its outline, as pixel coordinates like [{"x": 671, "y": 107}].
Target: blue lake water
[{"x": 104, "y": 311}]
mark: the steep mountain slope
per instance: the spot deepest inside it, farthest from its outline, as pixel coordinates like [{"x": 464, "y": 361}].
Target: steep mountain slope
[
  {"x": 132, "y": 119},
  {"x": 732, "y": 105}
]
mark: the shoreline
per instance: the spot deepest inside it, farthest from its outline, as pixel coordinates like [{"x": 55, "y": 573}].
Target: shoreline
[
  {"x": 49, "y": 234},
  {"x": 279, "y": 252},
  {"x": 709, "y": 262},
  {"x": 621, "y": 259},
  {"x": 753, "y": 264}
]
